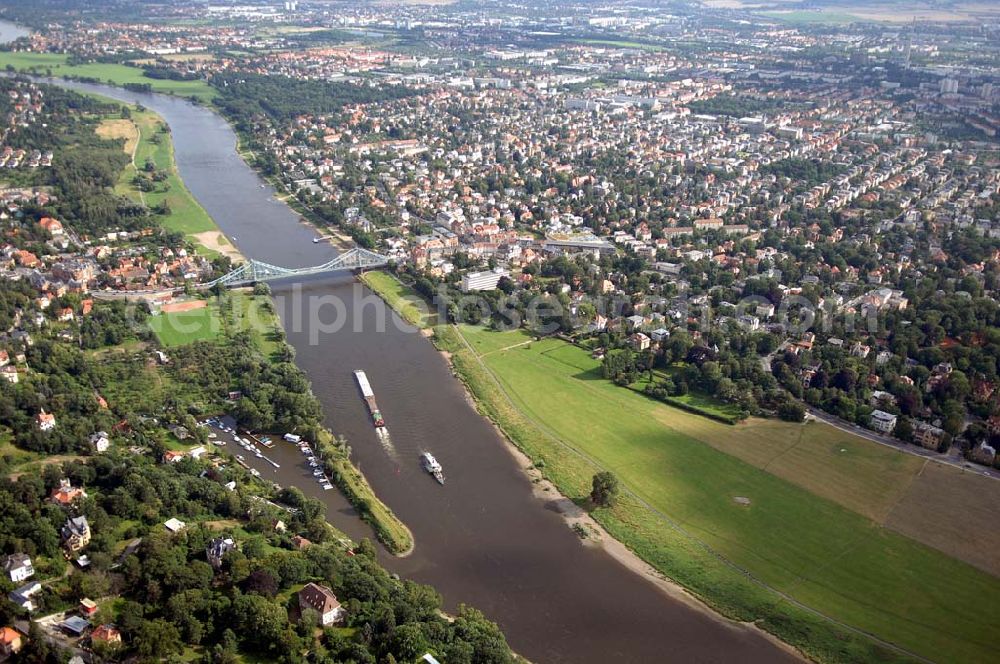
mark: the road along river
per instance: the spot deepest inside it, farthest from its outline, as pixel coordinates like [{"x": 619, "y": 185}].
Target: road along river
[{"x": 483, "y": 538}]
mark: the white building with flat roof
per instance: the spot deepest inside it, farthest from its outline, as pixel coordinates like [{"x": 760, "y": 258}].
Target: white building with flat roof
[
  {"x": 483, "y": 281},
  {"x": 882, "y": 421}
]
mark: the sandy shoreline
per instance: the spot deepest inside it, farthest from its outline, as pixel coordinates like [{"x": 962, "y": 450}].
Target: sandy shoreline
[
  {"x": 216, "y": 241},
  {"x": 597, "y": 537}
]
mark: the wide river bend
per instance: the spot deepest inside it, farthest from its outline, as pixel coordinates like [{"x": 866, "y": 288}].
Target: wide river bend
[{"x": 483, "y": 539}]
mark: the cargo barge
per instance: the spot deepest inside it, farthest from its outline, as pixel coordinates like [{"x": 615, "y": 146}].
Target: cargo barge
[{"x": 369, "y": 395}]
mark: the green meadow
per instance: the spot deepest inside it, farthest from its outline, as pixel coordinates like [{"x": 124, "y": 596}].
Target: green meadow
[
  {"x": 410, "y": 306},
  {"x": 116, "y": 74},
  {"x": 186, "y": 215},
  {"x": 185, "y": 327},
  {"x": 796, "y": 561},
  {"x": 229, "y": 314}
]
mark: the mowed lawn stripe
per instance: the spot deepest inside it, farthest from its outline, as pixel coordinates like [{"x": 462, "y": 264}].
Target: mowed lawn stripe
[
  {"x": 830, "y": 558},
  {"x": 866, "y": 478}
]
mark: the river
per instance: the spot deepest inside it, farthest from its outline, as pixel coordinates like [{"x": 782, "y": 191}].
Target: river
[
  {"x": 11, "y": 31},
  {"x": 483, "y": 539}
]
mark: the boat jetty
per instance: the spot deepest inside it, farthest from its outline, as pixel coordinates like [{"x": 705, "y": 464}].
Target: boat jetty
[
  {"x": 314, "y": 462},
  {"x": 245, "y": 439}
]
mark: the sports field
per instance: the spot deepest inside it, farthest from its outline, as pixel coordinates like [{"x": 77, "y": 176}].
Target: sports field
[
  {"x": 202, "y": 320},
  {"x": 116, "y": 74},
  {"x": 811, "y": 530},
  {"x": 184, "y": 327}
]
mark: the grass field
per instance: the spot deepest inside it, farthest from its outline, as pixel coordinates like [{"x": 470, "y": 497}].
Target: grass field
[
  {"x": 116, "y": 74},
  {"x": 185, "y": 327},
  {"x": 112, "y": 128},
  {"x": 805, "y": 17},
  {"x": 954, "y": 511},
  {"x": 233, "y": 312},
  {"x": 254, "y": 313},
  {"x": 866, "y": 478},
  {"x": 186, "y": 214},
  {"x": 404, "y": 301},
  {"x": 795, "y": 536},
  {"x": 12, "y": 455},
  {"x": 486, "y": 341}
]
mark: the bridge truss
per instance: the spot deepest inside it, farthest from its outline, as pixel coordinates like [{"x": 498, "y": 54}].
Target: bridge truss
[{"x": 255, "y": 271}]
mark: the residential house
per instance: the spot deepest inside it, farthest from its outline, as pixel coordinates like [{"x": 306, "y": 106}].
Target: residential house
[
  {"x": 18, "y": 567},
  {"x": 100, "y": 442},
  {"x": 639, "y": 341},
  {"x": 984, "y": 454},
  {"x": 173, "y": 456},
  {"x": 45, "y": 421},
  {"x": 76, "y": 533},
  {"x": 88, "y": 607},
  {"x": 882, "y": 398},
  {"x": 174, "y": 525},
  {"x": 659, "y": 335},
  {"x": 106, "y": 634},
  {"x": 75, "y": 626},
  {"x": 928, "y": 435},
  {"x": 53, "y": 226},
  {"x": 322, "y": 600},
  {"x": 10, "y": 641},
  {"x": 66, "y": 494},
  {"x": 882, "y": 421},
  {"x": 635, "y": 322},
  {"x": 24, "y": 596},
  {"x": 217, "y": 548}
]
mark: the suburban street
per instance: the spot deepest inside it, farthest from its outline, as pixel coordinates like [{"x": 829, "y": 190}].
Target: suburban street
[{"x": 952, "y": 458}]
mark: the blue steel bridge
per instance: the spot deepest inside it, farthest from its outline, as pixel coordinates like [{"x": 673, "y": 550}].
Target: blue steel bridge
[{"x": 255, "y": 271}]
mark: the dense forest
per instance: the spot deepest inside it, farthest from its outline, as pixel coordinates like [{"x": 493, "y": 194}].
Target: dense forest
[
  {"x": 158, "y": 589},
  {"x": 812, "y": 171},
  {"x": 280, "y": 98},
  {"x": 85, "y": 167},
  {"x": 738, "y": 106}
]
